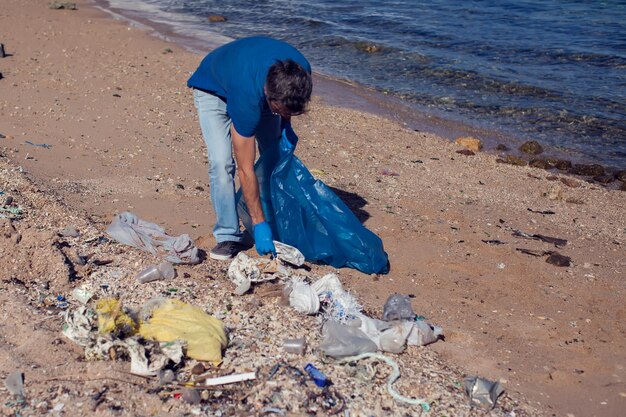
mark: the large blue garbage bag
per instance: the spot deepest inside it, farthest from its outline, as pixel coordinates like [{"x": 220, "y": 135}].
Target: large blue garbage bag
[{"x": 305, "y": 213}]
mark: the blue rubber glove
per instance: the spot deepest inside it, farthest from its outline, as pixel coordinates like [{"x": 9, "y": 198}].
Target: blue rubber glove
[{"x": 263, "y": 239}]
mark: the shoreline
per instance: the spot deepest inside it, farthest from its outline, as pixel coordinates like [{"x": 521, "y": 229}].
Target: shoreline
[
  {"x": 343, "y": 92},
  {"x": 109, "y": 100}
]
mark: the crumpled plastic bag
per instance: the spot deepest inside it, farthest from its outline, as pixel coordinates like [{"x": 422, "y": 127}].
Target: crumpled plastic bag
[
  {"x": 482, "y": 392},
  {"x": 160, "y": 355},
  {"x": 243, "y": 271},
  {"x": 398, "y": 307},
  {"x": 129, "y": 229},
  {"x": 175, "y": 320},
  {"x": 341, "y": 340},
  {"x": 339, "y": 305},
  {"x": 423, "y": 334},
  {"x": 79, "y": 324},
  {"x": 288, "y": 254},
  {"x": 113, "y": 319},
  {"x": 303, "y": 298}
]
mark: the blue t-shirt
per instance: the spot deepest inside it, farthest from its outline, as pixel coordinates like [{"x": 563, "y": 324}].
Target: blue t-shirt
[{"x": 237, "y": 72}]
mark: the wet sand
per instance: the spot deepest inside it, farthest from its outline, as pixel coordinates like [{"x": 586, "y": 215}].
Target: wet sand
[{"x": 111, "y": 102}]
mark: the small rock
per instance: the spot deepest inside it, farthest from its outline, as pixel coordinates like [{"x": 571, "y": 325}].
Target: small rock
[
  {"x": 570, "y": 182},
  {"x": 70, "y": 231},
  {"x": 604, "y": 179},
  {"x": 563, "y": 164},
  {"x": 557, "y": 259},
  {"x": 180, "y": 186},
  {"x": 531, "y": 147},
  {"x": 466, "y": 152},
  {"x": 554, "y": 192},
  {"x": 191, "y": 396},
  {"x": 502, "y": 147},
  {"x": 470, "y": 143},
  {"x": 541, "y": 163},
  {"x": 589, "y": 170},
  {"x": 621, "y": 175},
  {"x": 8, "y": 201},
  {"x": 199, "y": 188},
  {"x": 216, "y": 18},
  {"x": 512, "y": 160},
  {"x": 198, "y": 369}
]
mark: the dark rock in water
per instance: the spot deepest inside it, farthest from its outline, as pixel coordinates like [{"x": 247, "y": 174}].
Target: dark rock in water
[
  {"x": 512, "y": 160},
  {"x": 541, "y": 163},
  {"x": 501, "y": 147},
  {"x": 531, "y": 147},
  {"x": 604, "y": 179},
  {"x": 589, "y": 170},
  {"x": 466, "y": 152},
  {"x": 562, "y": 164},
  {"x": 557, "y": 259},
  {"x": 216, "y": 18},
  {"x": 621, "y": 175},
  {"x": 370, "y": 48},
  {"x": 57, "y": 5}
]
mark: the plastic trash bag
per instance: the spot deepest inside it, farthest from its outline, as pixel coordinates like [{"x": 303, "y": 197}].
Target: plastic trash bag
[
  {"x": 175, "y": 320},
  {"x": 341, "y": 340},
  {"x": 398, "y": 307},
  {"x": 305, "y": 213},
  {"x": 129, "y": 229}
]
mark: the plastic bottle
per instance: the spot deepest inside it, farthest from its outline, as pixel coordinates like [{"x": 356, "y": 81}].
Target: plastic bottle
[
  {"x": 164, "y": 270},
  {"x": 316, "y": 375},
  {"x": 297, "y": 346}
]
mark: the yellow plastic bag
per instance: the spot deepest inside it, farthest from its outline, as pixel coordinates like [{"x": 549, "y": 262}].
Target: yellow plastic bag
[
  {"x": 112, "y": 319},
  {"x": 175, "y": 320}
]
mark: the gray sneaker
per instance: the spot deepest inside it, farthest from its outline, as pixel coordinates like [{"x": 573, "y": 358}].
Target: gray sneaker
[{"x": 225, "y": 250}]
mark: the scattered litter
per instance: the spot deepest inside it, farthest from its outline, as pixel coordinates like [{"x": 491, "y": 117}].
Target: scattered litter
[
  {"x": 288, "y": 254},
  {"x": 3, "y": 54},
  {"x": 303, "y": 298},
  {"x": 482, "y": 392},
  {"x": 336, "y": 303},
  {"x": 163, "y": 271},
  {"x": 15, "y": 384},
  {"x": 316, "y": 375},
  {"x": 62, "y": 5},
  {"x": 127, "y": 228},
  {"x": 531, "y": 252},
  {"x": 243, "y": 271},
  {"x": 395, "y": 375},
  {"x": 82, "y": 295},
  {"x": 191, "y": 396},
  {"x": 1, "y": 135},
  {"x": 541, "y": 212},
  {"x": 13, "y": 212},
  {"x": 317, "y": 172},
  {"x": 230, "y": 379},
  {"x": 40, "y": 145},
  {"x": 175, "y": 320},
  {"x": 297, "y": 346},
  {"x": 493, "y": 242},
  {"x": 398, "y": 307},
  {"x": 342, "y": 340},
  {"x": 556, "y": 241},
  {"x": 501, "y": 265},
  {"x": 113, "y": 319}
]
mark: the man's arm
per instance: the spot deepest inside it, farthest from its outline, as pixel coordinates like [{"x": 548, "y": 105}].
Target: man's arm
[{"x": 245, "y": 154}]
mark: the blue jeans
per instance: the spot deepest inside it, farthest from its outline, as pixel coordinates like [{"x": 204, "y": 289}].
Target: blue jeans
[{"x": 215, "y": 125}]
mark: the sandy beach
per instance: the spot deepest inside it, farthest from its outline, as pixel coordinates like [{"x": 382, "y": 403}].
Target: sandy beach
[{"x": 111, "y": 102}]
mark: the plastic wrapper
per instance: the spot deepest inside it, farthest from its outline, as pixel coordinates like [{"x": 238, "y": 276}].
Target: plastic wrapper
[
  {"x": 303, "y": 298},
  {"x": 423, "y": 334},
  {"x": 341, "y": 340},
  {"x": 305, "y": 213},
  {"x": 482, "y": 392},
  {"x": 398, "y": 307}
]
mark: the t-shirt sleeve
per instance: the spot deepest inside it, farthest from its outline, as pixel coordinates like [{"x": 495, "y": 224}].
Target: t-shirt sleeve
[{"x": 245, "y": 113}]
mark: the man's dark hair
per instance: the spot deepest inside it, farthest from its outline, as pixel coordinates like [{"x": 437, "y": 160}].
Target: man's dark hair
[{"x": 290, "y": 85}]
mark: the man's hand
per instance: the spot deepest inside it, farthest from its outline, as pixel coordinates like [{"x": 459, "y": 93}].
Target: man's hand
[
  {"x": 263, "y": 239},
  {"x": 245, "y": 153}
]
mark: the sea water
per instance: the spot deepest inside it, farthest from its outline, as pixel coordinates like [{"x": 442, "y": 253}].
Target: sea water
[{"x": 546, "y": 70}]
